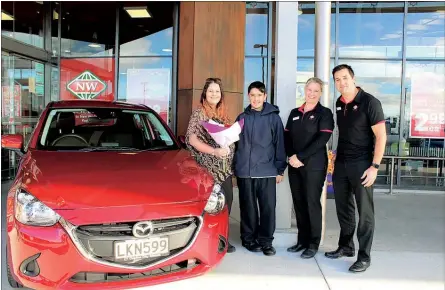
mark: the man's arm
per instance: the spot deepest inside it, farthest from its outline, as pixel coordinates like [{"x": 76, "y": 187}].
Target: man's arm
[
  {"x": 377, "y": 119},
  {"x": 380, "y": 142}
]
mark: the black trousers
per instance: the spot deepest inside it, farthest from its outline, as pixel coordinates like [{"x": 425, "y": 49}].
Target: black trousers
[
  {"x": 306, "y": 186},
  {"x": 263, "y": 191},
  {"x": 227, "y": 187},
  {"x": 347, "y": 185}
]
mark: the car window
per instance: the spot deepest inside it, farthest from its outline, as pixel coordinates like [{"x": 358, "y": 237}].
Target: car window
[{"x": 104, "y": 129}]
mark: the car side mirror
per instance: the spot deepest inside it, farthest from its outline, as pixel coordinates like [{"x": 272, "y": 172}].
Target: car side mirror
[
  {"x": 13, "y": 142},
  {"x": 182, "y": 141}
]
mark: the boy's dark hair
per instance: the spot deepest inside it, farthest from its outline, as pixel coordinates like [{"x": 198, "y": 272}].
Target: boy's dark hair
[
  {"x": 343, "y": 66},
  {"x": 257, "y": 85}
]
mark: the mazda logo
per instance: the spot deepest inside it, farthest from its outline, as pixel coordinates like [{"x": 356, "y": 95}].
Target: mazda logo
[{"x": 142, "y": 229}]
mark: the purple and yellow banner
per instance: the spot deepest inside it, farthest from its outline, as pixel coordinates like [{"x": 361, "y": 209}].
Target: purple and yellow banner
[{"x": 331, "y": 162}]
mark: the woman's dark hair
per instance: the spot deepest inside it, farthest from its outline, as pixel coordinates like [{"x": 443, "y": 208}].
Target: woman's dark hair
[{"x": 220, "y": 112}]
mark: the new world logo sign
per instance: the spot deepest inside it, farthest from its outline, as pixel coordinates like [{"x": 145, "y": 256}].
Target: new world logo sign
[{"x": 86, "y": 86}]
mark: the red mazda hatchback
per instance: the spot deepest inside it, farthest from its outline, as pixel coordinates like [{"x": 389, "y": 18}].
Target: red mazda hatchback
[{"x": 106, "y": 198}]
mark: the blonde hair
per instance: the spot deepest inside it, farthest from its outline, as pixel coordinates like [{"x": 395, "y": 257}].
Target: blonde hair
[{"x": 315, "y": 80}]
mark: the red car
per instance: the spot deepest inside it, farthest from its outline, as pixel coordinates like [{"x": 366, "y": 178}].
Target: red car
[{"x": 106, "y": 198}]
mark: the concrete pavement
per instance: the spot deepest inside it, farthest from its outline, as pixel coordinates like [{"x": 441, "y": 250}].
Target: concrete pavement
[{"x": 408, "y": 253}]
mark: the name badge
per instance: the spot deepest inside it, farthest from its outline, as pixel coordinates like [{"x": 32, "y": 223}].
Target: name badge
[
  {"x": 296, "y": 118},
  {"x": 338, "y": 108}
]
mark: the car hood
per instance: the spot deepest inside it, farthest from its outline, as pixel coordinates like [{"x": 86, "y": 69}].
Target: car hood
[{"x": 76, "y": 180}]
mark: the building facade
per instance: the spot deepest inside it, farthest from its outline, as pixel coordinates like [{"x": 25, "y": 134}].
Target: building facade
[{"x": 160, "y": 53}]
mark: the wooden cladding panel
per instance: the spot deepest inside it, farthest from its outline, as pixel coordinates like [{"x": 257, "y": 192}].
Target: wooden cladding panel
[
  {"x": 219, "y": 43},
  {"x": 211, "y": 44},
  {"x": 186, "y": 45}
]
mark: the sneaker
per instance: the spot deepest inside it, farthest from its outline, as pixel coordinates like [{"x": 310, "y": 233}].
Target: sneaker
[{"x": 269, "y": 250}]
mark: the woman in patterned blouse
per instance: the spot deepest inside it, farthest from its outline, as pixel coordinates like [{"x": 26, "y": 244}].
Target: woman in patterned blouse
[{"x": 218, "y": 161}]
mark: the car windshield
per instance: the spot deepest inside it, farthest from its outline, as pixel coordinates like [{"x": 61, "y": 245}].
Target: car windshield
[{"x": 104, "y": 129}]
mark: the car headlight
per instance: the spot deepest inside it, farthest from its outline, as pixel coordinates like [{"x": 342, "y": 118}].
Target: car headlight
[
  {"x": 30, "y": 211},
  {"x": 216, "y": 201}
]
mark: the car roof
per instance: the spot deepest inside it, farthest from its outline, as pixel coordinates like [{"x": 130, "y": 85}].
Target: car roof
[{"x": 96, "y": 104}]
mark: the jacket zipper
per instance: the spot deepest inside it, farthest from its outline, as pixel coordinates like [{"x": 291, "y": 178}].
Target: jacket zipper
[{"x": 251, "y": 141}]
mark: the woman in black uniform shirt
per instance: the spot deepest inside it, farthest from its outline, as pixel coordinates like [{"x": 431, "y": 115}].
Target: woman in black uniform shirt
[{"x": 307, "y": 132}]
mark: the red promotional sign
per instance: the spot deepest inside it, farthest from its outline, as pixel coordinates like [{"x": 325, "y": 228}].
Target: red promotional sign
[
  {"x": 9, "y": 110},
  {"x": 87, "y": 79},
  {"x": 427, "y": 106}
]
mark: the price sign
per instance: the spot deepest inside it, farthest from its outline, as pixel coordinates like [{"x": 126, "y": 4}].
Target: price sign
[{"x": 427, "y": 106}]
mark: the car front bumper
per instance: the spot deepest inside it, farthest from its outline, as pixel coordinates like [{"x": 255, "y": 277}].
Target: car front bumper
[{"x": 62, "y": 265}]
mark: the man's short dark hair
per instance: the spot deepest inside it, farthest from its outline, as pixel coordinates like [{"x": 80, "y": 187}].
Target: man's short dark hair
[
  {"x": 257, "y": 85},
  {"x": 343, "y": 66}
]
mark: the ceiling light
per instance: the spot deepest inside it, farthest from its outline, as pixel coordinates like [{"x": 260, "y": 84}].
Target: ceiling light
[
  {"x": 137, "y": 12},
  {"x": 94, "y": 45},
  {"x": 167, "y": 50},
  {"x": 6, "y": 16}
]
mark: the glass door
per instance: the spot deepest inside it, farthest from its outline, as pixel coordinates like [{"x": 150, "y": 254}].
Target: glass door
[{"x": 22, "y": 102}]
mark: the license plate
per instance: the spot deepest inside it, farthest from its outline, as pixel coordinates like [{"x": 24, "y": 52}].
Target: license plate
[{"x": 144, "y": 248}]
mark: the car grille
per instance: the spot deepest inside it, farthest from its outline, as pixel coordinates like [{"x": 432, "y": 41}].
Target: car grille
[
  {"x": 94, "y": 277},
  {"x": 98, "y": 240}
]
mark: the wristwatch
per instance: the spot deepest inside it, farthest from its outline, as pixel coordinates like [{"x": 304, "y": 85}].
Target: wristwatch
[{"x": 375, "y": 165}]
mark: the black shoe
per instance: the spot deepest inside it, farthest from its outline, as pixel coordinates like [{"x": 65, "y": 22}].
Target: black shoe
[
  {"x": 340, "y": 252},
  {"x": 252, "y": 247},
  {"x": 269, "y": 251},
  {"x": 359, "y": 266},
  {"x": 296, "y": 248},
  {"x": 308, "y": 253},
  {"x": 230, "y": 248}
]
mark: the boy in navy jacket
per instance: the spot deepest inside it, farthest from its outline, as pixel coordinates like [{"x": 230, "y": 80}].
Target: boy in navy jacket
[{"x": 259, "y": 164}]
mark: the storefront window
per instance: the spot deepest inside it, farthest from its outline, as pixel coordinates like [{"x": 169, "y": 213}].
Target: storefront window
[
  {"x": 147, "y": 35},
  {"x": 425, "y": 34},
  {"x": 147, "y": 81},
  {"x": 23, "y": 21},
  {"x": 55, "y": 41},
  {"x": 22, "y": 101},
  {"x": 256, "y": 46},
  {"x": 88, "y": 29},
  {"x": 371, "y": 29},
  {"x": 305, "y": 71},
  {"x": 306, "y": 29},
  {"x": 145, "y": 50}
]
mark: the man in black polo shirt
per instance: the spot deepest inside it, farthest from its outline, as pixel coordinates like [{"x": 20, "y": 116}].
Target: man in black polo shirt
[{"x": 360, "y": 120}]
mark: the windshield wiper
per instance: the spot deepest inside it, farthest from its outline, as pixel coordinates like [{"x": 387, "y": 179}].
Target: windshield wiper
[{"x": 108, "y": 148}]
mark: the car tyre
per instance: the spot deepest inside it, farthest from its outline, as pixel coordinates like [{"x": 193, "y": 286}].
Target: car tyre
[{"x": 11, "y": 280}]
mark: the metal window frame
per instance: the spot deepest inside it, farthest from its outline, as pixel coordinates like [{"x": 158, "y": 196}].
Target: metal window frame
[
  {"x": 268, "y": 56},
  {"x": 174, "y": 58},
  {"x": 117, "y": 51},
  {"x": 174, "y": 79},
  {"x": 269, "y": 51}
]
